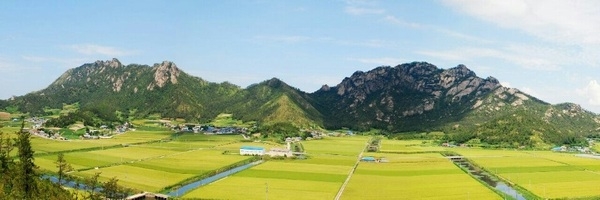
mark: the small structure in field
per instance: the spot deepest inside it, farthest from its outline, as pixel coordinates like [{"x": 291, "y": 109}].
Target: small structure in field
[
  {"x": 274, "y": 152},
  {"x": 252, "y": 151},
  {"x": 368, "y": 159}
]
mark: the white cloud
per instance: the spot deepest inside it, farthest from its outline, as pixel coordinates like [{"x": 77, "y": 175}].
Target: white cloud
[
  {"x": 92, "y": 49},
  {"x": 62, "y": 62},
  {"x": 363, "y": 7},
  {"x": 387, "y": 61},
  {"x": 285, "y": 38},
  {"x": 362, "y": 11},
  {"x": 531, "y": 92},
  {"x": 397, "y": 21},
  {"x": 525, "y": 57},
  {"x": 558, "y": 21},
  {"x": 6, "y": 65},
  {"x": 425, "y": 27},
  {"x": 592, "y": 92}
]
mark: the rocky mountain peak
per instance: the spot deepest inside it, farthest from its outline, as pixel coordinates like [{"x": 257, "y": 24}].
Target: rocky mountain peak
[
  {"x": 461, "y": 71},
  {"x": 164, "y": 72},
  {"x": 114, "y": 63}
]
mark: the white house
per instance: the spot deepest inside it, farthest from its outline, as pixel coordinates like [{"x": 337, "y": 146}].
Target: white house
[
  {"x": 252, "y": 151},
  {"x": 280, "y": 152}
]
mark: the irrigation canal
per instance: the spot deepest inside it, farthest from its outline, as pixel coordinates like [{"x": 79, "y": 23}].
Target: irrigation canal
[
  {"x": 186, "y": 188},
  {"x": 486, "y": 177}
]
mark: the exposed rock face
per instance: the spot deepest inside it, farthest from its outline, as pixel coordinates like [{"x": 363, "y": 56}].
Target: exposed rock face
[
  {"x": 163, "y": 73},
  {"x": 390, "y": 94},
  {"x": 114, "y": 63},
  {"x": 454, "y": 83}
]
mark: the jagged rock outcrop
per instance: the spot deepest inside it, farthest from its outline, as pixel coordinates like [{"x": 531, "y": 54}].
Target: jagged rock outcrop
[
  {"x": 393, "y": 94},
  {"x": 163, "y": 73}
]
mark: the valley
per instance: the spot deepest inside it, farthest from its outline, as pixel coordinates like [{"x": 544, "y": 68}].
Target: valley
[
  {"x": 388, "y": 133},
  {"x": 161, "y": 161}
]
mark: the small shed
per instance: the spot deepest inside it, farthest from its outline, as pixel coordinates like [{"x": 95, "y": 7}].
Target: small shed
[{"x": 368, "y": 159}]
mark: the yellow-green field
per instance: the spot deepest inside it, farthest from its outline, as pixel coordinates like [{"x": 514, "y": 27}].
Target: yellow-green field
[
  {"x": 415, "y": 169},
  {"x": 319, "y": 177},
  {"x": 409, "y": 146},
  {"x": 414, "y": 176},
  {"x": 544, "y": 173}
]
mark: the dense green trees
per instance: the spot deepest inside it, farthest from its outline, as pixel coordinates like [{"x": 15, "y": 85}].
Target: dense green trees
[
  {"x": 280, "y": 130},
  {"x": 26, "y": 175}
]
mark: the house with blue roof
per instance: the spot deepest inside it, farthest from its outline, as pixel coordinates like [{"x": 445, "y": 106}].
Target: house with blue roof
[{"x": 252, "y": 151}]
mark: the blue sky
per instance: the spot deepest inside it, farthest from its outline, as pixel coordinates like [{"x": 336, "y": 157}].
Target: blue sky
[{"x": 549, "y": 49}]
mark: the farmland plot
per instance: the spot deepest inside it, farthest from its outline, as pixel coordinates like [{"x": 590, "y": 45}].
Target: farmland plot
[
  {"x": 414, "y": 176},
  {"x": 318, "y": 177},
  {"x": 546, "y": 174}
]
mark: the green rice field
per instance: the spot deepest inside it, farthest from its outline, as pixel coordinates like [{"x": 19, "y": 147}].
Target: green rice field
[
  {"x": 411, "y": 169},
  {"x": 318, "y": 177},
  {"x": 547, "y": 174}
]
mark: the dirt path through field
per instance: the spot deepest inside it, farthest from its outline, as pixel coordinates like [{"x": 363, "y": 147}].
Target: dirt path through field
[{"x": 341, "y": 191}]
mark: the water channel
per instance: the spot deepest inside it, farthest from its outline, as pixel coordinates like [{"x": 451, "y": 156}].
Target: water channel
[
  {"x": 488, "y": 179},
  {"x": 186, "y": 188}
]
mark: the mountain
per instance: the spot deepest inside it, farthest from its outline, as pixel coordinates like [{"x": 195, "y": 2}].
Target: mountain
[
  {"x": 414, "y": 96},
  {"x": 164, "y": 89},
  {"x": 275, "y": 101},
  {"x": 419, "y": 96},
  {"x": 403, "y": 97}
]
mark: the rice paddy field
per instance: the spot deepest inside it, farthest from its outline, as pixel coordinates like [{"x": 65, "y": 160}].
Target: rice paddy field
[
  {"x": 412, "y": 169},
  {"x": 146, "y": 166},
  {"x": 408, "y": 146},
  {"x": 549, "y": 175},
  {"x": 318, "y": 177}
]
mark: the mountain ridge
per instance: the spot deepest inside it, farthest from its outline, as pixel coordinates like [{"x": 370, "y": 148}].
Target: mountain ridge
[{"x": 415, "y": 96}]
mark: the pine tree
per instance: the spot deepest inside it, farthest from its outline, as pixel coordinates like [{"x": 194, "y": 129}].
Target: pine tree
[
  {"x": 111, "y": 190},
  {"x": 92, "y": 186},
  {"x": 6, "y": 163},
  {"x": 26, "y": 174},
  {"x": 63, "y": 168}
]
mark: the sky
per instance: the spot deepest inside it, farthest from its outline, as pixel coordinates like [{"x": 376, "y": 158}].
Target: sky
[{"x": 549, "y": 49}]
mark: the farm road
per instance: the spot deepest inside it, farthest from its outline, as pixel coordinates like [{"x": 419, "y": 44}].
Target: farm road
[{"x": 341, "y": 191}]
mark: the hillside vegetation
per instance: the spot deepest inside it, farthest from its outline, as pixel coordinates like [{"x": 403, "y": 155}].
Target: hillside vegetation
[{"x": 411, "y": 97}]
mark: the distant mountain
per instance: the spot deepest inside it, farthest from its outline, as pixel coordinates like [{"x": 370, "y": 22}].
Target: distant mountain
[
  {"x": 415, "y": 96},
  {"x": 419, "y": 96},
  {"x": 109, "y": 86},
  {"x": 404, "y": 97}
]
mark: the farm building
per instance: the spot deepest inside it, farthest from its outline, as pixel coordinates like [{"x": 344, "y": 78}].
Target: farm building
[
  {"x": 280, "y": 152},
  {"x": 252, "y": 151}
]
